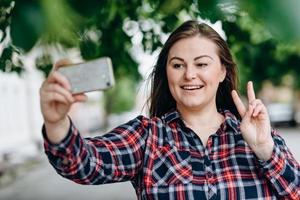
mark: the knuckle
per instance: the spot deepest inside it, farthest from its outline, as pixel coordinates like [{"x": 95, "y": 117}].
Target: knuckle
[
  {"x": 56, "y": 96},
  {"x": 51, "y": 87},
  {"x": 55, "y": 87},
  {"x": 258, "y": 101},
  {"x": 55, "y": 75}
]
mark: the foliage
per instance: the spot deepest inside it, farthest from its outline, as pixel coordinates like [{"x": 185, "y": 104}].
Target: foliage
[
  {"x": 123, "y": 95},
  {"x": 263, "y": 35}
]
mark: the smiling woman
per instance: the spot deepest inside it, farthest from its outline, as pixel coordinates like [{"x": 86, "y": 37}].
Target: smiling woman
[
  {"x": 199, "y": 142},
  {"x": 194, "y": 72},
  {"x": 208, "y": 48}
]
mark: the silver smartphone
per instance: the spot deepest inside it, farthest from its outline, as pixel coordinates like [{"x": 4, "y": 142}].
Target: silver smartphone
[{"x": 89, "y": 76}]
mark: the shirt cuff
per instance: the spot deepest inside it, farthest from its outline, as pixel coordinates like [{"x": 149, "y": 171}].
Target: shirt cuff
[
  {"x": 276, "y": 164},
  {"x": 64, "y": 146}
]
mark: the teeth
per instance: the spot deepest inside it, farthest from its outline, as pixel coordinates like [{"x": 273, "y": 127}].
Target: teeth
[{"x": 191, "y": 87}]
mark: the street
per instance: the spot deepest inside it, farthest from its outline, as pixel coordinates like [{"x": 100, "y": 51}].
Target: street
[{"x": 43, "y": 183}]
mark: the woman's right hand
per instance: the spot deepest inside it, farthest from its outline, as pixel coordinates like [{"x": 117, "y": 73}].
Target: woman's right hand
[{"x": 56, "y": 100}]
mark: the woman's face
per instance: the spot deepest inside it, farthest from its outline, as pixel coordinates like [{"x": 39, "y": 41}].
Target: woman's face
[{"x": 194, "y": 72}]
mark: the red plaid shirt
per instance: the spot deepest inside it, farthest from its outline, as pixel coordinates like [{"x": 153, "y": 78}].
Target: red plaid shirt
[{"x": 166, "y": 160}]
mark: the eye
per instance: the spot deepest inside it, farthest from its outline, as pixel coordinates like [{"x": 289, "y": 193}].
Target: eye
[
  {"x": 177, "y": 66},
  {"x": 201, "y": 65}
]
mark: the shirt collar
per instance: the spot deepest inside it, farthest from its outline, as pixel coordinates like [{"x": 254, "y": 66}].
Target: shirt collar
[
  {"x": 171, "y": 116},
  {"x": 230, "y": 119}
]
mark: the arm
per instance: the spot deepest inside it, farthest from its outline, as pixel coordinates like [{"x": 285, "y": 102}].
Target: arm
[
  {"x": 277, "y": 162},
  {"x": 282, "y": 170},
  {"x": 56, "y": 101},
  {"x": 114, "y": 157}
]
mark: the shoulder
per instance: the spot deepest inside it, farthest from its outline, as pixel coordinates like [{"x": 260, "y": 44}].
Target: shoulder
[
  {"x": 143, "y": 121},
  {"x": 164, "y": 119}
]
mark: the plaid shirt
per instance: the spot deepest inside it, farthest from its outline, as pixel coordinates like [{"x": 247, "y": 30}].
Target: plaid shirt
[{"x": 164, "y": 159}]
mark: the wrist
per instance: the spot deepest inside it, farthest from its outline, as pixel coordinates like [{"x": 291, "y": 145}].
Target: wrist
[
  {"x": 265, "y": 151},
  {"x": 57, "y": 131}
]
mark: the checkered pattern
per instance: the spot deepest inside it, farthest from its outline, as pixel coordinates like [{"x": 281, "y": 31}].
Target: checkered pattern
[{"x": 166, "y": 160}]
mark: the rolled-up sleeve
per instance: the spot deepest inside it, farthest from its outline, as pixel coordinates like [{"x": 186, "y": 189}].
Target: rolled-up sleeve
[
  {"x": 114, "y": 157},
  {"x": 282, "y": 170}
]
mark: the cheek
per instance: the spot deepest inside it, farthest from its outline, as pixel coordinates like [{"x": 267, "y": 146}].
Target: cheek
[
  {"x": 169, "y": 77},
  {"x": 173, "y": 82},
  {"x": 214, "y": 76},
  {"x": 172, "y": 77},
  {"x": 209, "y": 77}
]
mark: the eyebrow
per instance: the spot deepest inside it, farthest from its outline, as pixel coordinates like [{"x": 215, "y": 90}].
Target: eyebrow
[
  {"x": 198, "y": 57},
  {"x": 203, "y": 56},
  {"x": 175, "y": 57}
]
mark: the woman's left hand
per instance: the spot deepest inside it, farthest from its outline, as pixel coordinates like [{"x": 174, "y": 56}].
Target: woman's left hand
[{"x": 255, "y": 124}]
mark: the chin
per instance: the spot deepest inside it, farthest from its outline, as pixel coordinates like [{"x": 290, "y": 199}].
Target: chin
[{"x": 192, "y": 105}]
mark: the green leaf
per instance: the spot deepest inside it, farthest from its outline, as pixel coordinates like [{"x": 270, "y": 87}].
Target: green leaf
[
  {"x": 27, "y": 24},
  {"x": 5, "y": 16},
  {"x": 171, "y": 6},
  {"x": 44, "y": 63},
  {"x": 62, "y": 23}
]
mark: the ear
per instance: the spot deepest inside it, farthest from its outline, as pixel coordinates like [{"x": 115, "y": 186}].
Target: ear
[{"x": 223, "y": 73}]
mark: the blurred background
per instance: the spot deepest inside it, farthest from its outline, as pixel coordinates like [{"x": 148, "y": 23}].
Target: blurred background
[{"x": 264, "y": 37}]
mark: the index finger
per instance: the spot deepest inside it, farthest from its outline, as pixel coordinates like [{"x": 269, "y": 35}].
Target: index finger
[
  {"x": 238, "y": 103},
  {"x": 250, "y": 92},
  {"x": 61, "y": 62},
  {"x": 56, "y": 77}
]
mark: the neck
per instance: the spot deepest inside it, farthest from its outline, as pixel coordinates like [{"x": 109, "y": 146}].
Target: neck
[{"x": 207, "y": 116}]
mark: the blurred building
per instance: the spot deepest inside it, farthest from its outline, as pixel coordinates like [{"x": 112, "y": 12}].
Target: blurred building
[
  {"x": 20, "y": 118},
  {"x": 285, "y": 97}
]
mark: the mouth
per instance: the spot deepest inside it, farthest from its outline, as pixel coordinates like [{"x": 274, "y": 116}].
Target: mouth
[{"x": 191, "y": 87}]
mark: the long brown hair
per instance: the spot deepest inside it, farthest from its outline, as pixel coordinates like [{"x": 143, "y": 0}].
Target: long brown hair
[{"x": 161, "y": 101}]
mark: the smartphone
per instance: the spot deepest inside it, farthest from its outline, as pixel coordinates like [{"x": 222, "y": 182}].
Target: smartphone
[{"x": 89, "y": 76}]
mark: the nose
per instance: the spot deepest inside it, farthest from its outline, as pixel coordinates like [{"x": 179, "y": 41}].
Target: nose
[{"x": 190, "y": 73}]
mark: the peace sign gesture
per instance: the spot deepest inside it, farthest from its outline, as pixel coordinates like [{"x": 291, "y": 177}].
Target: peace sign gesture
[{"x": 255, "y": 124}]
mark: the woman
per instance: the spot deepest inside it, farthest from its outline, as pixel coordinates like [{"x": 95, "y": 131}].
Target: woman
[{"x": 200, "y": 142}]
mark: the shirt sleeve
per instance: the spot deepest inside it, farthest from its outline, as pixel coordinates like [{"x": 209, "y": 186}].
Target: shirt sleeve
[
  {"x": 282, "y": 170},
  {"x": 114, "y": 157}
]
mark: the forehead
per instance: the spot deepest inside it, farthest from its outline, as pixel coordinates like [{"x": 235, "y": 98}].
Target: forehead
[{"x": 193, "y": 47}]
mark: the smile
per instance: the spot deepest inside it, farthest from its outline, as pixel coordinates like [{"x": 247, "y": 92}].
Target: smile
[{"x": 192, "y": 87}]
